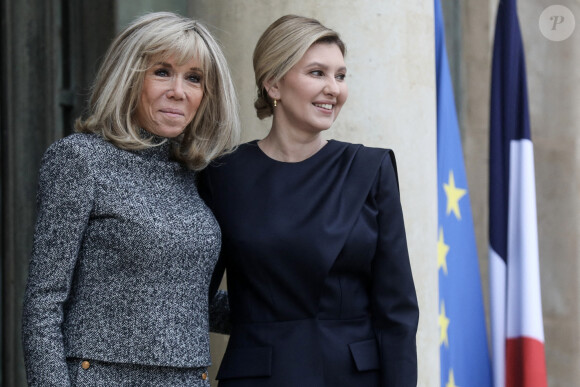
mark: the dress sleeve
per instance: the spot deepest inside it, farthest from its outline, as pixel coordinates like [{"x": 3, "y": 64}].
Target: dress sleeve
[
  {"x": 219, "y": 313},
  {"x": 395, "y": 308},
  {"x": 64, "y": 202}
]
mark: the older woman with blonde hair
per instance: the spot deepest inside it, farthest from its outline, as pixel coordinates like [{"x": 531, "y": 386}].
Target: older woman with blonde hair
[
  {"x": 319, "y": 280},
  {"x": 124, "y": 247}
]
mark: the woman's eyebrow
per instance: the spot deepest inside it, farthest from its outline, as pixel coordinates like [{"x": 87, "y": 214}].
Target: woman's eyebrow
[
  {"x": 318, "y": 64},
  {"x": 165, "y": 64}
]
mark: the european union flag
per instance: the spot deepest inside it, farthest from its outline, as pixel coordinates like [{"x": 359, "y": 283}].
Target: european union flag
[{"x": 464, "y": 350}]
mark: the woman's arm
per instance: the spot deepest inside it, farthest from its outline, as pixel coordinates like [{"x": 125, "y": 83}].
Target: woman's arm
[
  {"x": 395, "y": 308},
  {"x": 219, "y": 313},
  {"x": 65, "y": 196},
  {"x": 219, "y": 306}
]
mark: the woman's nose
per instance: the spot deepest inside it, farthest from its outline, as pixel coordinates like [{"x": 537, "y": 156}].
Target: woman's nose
[
  {"x": 176, "y": 91},
  {"x": 332, "y": 87}
]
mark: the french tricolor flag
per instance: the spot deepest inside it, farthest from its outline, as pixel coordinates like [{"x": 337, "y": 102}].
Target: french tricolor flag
[{"x": 516, "y": 310}]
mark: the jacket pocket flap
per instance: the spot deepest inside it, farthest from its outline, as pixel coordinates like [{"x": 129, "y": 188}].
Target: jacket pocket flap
[
  {"x": 365, "y": 355},
  {"x": 246, "y": 362}
]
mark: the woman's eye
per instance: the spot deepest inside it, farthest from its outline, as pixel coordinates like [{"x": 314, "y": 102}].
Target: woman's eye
[
  {"x": 194, "y": 78},
  {"x": 317, "y": 73},
  {"x": 161, "y": 73},
  {"x": 341, "y": 77}
]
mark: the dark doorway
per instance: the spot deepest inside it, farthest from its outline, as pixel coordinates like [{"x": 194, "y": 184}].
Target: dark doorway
[{"x": 50, "y": 51}]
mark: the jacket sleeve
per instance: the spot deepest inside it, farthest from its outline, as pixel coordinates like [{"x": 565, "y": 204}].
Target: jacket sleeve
[
  {"x": 219, "y": 308},
  {"x": 395, "y": 308},
  {"x": 64, "y": 202}
]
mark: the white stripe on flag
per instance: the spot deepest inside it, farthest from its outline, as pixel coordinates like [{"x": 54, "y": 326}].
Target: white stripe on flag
[
  {"x": 524, "y": 305},
  {"x": 497, "y": 280}
]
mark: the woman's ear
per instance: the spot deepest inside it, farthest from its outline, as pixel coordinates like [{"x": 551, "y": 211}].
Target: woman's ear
[{"x": 272, "y": 89}]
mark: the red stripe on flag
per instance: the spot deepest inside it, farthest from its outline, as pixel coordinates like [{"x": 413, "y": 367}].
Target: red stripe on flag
[{"x": 525, "y": 363}]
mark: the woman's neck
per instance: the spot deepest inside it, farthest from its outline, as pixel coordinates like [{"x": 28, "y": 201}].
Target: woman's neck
[{"x": 291, "y": 148}]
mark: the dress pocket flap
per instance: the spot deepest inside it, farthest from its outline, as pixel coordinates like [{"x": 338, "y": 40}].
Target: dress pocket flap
[
  {"x": 365, "y": 355},
  {"x": 246, "y": 362}
]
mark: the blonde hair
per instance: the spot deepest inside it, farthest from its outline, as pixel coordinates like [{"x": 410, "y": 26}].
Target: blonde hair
[
  {"x": 280, "y": 47},
  {"x": 215, "y": 129}
]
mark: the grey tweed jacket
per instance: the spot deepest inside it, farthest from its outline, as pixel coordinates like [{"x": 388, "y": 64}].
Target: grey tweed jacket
[{"x": 123, "y": 253}]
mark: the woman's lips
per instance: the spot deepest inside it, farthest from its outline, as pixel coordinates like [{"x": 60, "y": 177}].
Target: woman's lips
[{"x": 172, "y": 112}]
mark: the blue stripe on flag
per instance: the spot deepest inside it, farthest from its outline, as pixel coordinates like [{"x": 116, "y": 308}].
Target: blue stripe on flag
[
  {"x": 464, "y": 348},
  {"x": 509, "y": 117}
]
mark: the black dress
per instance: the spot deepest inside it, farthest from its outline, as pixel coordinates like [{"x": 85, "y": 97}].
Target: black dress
[{"x": 319, "y": 280}]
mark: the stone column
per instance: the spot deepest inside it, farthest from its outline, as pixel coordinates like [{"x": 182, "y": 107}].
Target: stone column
[
  {"x": 554, "y": 98},
  {"x": 391, "y": 104}
]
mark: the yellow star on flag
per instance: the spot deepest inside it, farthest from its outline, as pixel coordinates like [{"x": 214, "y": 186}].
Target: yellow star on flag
[
  {"x": 451, "y": 382},
  {"x": 442, "y": 250},
  {"x": 453, "y": 194},
  {"x": 443, "y": 325}
]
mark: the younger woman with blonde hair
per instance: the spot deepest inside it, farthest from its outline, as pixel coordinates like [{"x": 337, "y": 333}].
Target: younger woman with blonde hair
[{"x": 319, "y": 280}]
